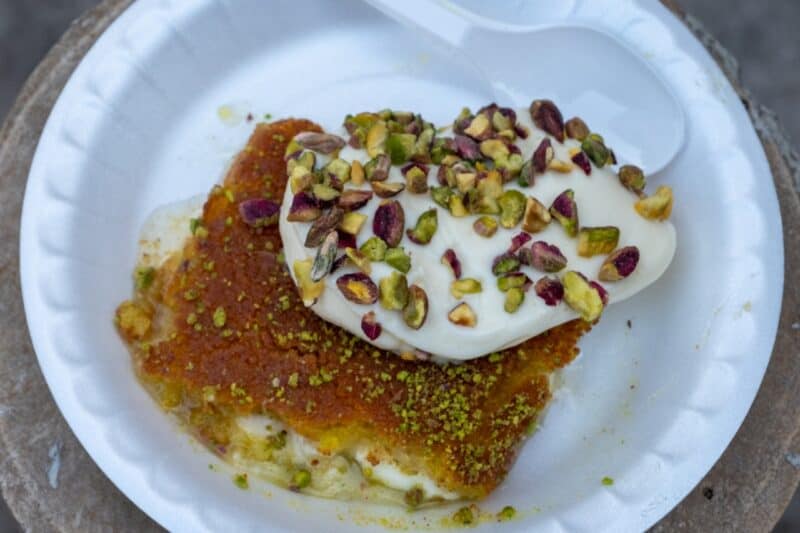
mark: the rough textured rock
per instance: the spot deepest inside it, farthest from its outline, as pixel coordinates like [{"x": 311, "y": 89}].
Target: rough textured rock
[{"x": 747, "y": 490}]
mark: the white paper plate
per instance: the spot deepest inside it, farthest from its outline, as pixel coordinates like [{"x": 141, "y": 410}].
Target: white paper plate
[{"x": 652, "y": 407}]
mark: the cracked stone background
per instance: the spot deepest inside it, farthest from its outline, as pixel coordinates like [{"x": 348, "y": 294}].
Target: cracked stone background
[{"x": 762, "y": 34}]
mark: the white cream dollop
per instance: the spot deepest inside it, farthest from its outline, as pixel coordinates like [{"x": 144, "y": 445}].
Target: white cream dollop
[{"x": 601, "y": 201}]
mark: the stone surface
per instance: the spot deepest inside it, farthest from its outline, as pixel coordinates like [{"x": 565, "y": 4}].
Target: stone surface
[{"x": 746, "y": 491}]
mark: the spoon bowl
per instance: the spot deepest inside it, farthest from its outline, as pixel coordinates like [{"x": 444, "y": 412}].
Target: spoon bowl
[{"x": 586, "y": 71}]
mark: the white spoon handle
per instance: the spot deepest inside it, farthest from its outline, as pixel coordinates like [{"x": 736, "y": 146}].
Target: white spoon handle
[{"x": 431, "y": 18}]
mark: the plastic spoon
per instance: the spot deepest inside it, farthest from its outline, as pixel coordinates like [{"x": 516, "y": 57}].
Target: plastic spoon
[{"x": 588, "y": 73}]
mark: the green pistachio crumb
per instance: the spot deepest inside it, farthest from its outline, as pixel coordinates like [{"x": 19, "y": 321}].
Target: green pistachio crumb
[
  {"x": 464, "y": 516},
  {"x": 293, "y": 379},
  {"x": 219, "y": 317},
  {"x": 300, "y": 480},
  {"x": 506, "y": 513},
  {"x": 240, "y": 480},
  {"x": 144, "y": 277},
  {"x": 229, "y": 195},
  {"x": 607, "y": 481}
]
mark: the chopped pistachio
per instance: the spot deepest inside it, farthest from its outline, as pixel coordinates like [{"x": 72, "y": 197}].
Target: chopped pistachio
[
  {"x": 394, "y": 291},
  {"x": 494, "y": 149},
  {"x": 460, "y": 287},
  {"x": 387, "y": 190},
  {"x": 370, "y": 326},
  {"x": 374, "y": 249},
  {"x": 536, "y": 217},
  {"x": 324, "y": 143},
  {"x": 594, "y": 147},
  {"x": 358, "y": 288},
  {"x": 326, "y": 254},
  {"x": 451, "y": 261},
  {"x": 398, "y": 259},
  {"x": 389, "y": 222},
  {"x": 309, "y": 289},
  {"x": 377, "y": 168},
  {"x": 357, "y": 176},
  {"x": 465, "y": 181},
  {"x": 322, "y": 226},
  {"x": 358, "y": 259},
  {"x": 565, "y": 211},
  {"x": 513, "y": 280},
  {"x": 441, "y": 195},
  {"x": 479, "y": 128},
  {"x": 426, "y": 226},
  {"x": 582, "y": 297},
  {"x": 576, "y": 129},
  {"x": 597, "y": 240},
  {"x": 463, "y": 315},
  {"x": 456, "y": 206},
  {"x": 400, "y": 147},
  {"x": 657, "y": 206},
  {"x": 353, "y": 200},
  {"x": 632, "y": 178},
  {"x": 512, "y": 208},
  {"x": 416, "y": 309},
  {"x": 485, "y": 226},
  {"x": 505, "y": 263},
  {"x": 352, "y": 222},
  {"x": 339, "y": 169},
  {"x": 514, "y": 298},
  {"x": 416, "y": 178},
  {"x": 620, "y": 264},
  {"x": 376, "y": 139}
]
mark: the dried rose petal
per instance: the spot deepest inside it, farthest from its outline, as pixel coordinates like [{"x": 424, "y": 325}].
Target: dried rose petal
[
  {"x": 450, "y": 260},
  {"x": 258, "y": 212},
  {"x": 370, "y": 326},
  {"x": 304, "y": 208},
  {"x": 620, "y": 264},
  {"x": 542, "y": 156},
  {"x": 547, "y": 257},
  {"x": 389, "y": 222},
  {"x": 358, "y": 288},
  {"x": 550, "y": 290},
  {"x": 547, "y": 117},
  {"x": 467, "y": 148},
  {"x": 582, "y": 160},
  {"x": 518, "y": 241}
]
